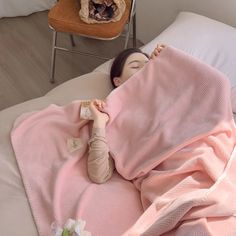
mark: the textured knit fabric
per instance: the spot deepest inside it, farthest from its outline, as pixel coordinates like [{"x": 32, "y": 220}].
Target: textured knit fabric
[{"x": 100, "y": 163}]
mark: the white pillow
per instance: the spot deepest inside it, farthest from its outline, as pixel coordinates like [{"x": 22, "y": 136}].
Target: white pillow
[{"x": 206, "y": 39}]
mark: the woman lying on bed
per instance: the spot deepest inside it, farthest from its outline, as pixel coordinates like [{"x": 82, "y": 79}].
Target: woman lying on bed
[{"x": 100, "y": 164}]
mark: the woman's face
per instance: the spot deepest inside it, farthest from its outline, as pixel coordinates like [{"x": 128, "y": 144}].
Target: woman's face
[{"x": 133, "y": 64}]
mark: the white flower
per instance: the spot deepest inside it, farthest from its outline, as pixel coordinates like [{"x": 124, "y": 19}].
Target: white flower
[
  {"x": 70, "y": 225},
  {"x": 81, "y": 224},
  {"x": 75, "y": 227},
  {"x": 79, "y": 228},
  {"x": 56, "y": 229}
]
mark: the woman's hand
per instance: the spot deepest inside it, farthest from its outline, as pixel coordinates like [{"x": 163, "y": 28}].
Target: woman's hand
[
  {"x": 99, "y": 117},
  {"x": 157, "y": 51}
]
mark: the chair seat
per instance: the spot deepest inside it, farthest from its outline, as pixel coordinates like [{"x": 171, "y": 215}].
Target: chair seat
[{"x": 64, "y": 17}]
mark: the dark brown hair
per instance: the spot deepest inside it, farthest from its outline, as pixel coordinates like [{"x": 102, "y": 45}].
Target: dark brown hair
[{"x": 119, "y": 62}]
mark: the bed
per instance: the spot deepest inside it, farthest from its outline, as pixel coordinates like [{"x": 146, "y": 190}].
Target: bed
[
  {"x": 215, "y": 46},
  {"x": 23, "y": 8}
]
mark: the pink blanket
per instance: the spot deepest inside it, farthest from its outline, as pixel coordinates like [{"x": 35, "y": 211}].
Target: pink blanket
[{"x": 172, "y": 136}]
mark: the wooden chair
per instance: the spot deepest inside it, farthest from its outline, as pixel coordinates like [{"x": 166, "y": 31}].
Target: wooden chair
[{"x": 64, "y": 17}]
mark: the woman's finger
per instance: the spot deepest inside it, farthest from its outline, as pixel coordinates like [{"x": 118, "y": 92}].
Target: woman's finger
[
  {"x": 103, "y": 104},
  {"x": 161, "y": 45},
  {"x": 99, "y": 104}
]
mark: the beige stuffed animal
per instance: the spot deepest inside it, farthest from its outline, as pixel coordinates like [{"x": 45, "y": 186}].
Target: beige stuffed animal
[{"x": 101, "y": 11}]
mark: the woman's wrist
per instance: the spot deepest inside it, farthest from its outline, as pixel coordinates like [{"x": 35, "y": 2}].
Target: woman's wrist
[{"x": 99, "y": 123}]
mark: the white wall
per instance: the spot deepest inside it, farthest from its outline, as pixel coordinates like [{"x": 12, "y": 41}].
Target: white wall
[{"x": 153, "y": 16}]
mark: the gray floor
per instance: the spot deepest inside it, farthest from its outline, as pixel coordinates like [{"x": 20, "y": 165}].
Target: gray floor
[{"x": 25, "y": 52}]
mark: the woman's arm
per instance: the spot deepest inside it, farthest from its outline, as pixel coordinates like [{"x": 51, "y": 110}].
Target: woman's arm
[{"x": 100, "y": 165}]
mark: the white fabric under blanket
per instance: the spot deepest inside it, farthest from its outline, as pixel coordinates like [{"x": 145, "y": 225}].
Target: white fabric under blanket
[{"x": 11, "y": 8}]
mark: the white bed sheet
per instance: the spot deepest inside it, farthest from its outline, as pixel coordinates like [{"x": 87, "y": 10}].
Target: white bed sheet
[{"x": 11, "y": 8}]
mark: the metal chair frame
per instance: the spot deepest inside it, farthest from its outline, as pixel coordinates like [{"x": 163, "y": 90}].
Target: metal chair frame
[{"x": 132, "y": 20}]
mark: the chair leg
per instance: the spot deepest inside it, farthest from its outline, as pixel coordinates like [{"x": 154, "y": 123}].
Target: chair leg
[
  {"x": 72, "y": 40},
  {"x": 53, "y": 58},
  {"x": 134, "y": 31},
  {"x": 127, "y": 36}
]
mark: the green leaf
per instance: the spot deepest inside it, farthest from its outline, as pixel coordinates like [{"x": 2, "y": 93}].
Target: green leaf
[{"x": 65, "y": 232}]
